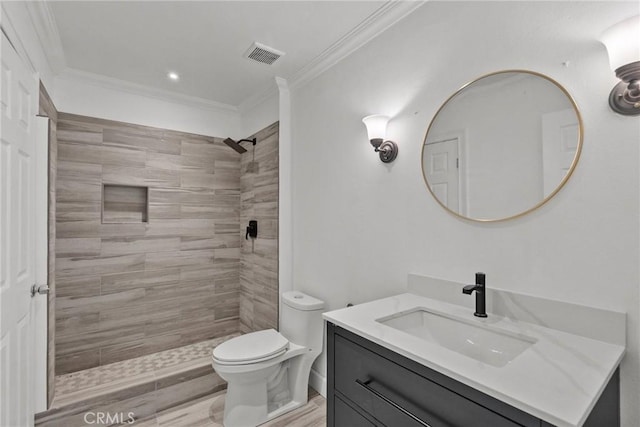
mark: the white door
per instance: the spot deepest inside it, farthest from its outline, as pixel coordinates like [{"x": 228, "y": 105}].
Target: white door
[
  {"x": 18, "y": 102},
  {"x": 560, "y": 133},
  {"x": 441, "y": 171}
]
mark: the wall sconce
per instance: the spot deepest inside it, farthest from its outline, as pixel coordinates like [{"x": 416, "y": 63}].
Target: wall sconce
[
  {"x": 623, "y": 45},
  {"x": 377, "y": 130}
]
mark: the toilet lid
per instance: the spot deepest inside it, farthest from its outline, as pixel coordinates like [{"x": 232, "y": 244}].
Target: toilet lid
[{"x": 251, "y": 347}]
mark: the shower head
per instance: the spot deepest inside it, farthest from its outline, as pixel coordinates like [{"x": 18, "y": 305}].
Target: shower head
[
  {"x": 236, "y": 145},
  {"x": 231, "y": 143}
]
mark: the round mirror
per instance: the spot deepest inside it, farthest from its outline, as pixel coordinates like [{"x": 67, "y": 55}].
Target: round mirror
[{"x": 502, "y": 145}]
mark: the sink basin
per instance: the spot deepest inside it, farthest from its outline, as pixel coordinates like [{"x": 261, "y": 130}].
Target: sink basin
[{"x": 477, "y": 340}]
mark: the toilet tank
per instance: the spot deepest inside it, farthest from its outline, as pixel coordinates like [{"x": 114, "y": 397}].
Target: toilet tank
[{"x": 301, "y": 321}]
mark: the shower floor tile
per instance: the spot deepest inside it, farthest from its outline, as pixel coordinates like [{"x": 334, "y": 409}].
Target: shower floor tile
[{"x": 132, "y": 371}]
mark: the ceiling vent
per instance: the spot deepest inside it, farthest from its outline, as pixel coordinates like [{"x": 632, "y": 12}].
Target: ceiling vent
[{"x": 263, "y": 54}]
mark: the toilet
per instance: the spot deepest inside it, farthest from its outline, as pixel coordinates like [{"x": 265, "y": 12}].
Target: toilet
[{"x": 267, "y": 372}]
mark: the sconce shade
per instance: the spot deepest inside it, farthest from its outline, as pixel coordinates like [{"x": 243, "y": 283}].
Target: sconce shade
[
  {"x": 376, "y": 128},
  {"x": 377, "y": 131},
  {"x": 623, "y": 42},
  {"x": 623, "y": 46}
]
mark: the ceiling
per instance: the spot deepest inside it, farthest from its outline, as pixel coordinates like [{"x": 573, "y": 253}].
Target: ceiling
[{"x": 204, "y": 41}]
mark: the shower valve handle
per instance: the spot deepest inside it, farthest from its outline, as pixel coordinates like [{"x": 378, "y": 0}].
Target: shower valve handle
[{"x": 252, "y": 230}]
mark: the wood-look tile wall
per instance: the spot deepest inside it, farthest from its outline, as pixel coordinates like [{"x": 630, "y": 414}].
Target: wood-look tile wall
[
  {"x": 259, "y": 257},
  {"x": 125, "y": 290},
  {"x": 46, "y": 108}
]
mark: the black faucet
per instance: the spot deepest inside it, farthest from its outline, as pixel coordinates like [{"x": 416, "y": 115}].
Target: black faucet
[{"x": 481, "y": 302}]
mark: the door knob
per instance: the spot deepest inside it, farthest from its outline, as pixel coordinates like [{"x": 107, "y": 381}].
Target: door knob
[{"x": 42, "y": 290}]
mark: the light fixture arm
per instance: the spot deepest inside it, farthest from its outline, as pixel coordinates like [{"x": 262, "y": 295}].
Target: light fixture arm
[{"x": 388, "y": 149}]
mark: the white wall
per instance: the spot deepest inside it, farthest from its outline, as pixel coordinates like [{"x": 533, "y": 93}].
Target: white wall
[
  {"x": 259, "y": 115},
  {"x": 360, "y": 226},
  {"x": 95, "y": 100}
]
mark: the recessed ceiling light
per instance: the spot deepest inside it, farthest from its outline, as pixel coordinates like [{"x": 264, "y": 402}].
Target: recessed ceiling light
[{"x": 172, "y": 75}]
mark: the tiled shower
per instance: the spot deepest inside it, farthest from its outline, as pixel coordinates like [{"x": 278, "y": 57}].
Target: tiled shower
[{"x": 151, "y": 260}]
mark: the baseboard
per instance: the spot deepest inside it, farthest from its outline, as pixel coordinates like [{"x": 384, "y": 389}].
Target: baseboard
[{"x": 318, "y": 382}]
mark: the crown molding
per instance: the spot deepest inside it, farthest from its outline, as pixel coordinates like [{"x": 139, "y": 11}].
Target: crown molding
[
  {"x": 372, "y": 26},
  {"x": 9, "y": 30},
  {"x": 46, "y": 29},
  {"x": 384, "y": 17},
  {"x": 99, "y": 80}
]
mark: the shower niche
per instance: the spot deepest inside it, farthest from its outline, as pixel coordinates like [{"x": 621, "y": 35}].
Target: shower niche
[{"x": 124, "y": 204}]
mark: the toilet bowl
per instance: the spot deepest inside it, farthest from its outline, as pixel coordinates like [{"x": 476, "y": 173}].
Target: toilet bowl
[{"x": 267, "y": 372}]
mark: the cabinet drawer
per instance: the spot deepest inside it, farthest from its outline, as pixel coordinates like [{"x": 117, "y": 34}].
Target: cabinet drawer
[
  {"x": 397, "y": 396},
  {"x": 347, "y": 416}
]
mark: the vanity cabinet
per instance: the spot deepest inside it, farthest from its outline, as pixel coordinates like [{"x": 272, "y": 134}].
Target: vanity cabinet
[{"x": 369, "y": 385}]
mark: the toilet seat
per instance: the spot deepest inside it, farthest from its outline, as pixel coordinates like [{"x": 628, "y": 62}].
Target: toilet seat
[{"x": 251, "y": 348}]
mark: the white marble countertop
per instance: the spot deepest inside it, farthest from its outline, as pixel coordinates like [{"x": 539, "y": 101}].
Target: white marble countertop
[{"x": 558, "y": 379}]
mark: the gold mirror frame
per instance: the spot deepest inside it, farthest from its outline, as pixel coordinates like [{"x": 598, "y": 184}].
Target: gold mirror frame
[{"x": 560, "y": 185}]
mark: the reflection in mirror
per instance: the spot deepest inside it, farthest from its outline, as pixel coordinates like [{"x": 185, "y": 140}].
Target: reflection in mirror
[{"x": 502, "y": 145}]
